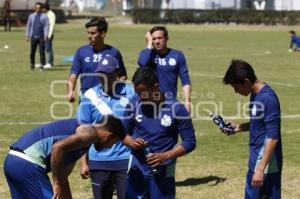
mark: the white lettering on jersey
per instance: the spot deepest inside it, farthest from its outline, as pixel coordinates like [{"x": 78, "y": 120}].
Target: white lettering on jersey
[
  {"x": 97, "y": 58},
  {"x": 138, "y": 118},
  {"x": 87, "y": 59}
]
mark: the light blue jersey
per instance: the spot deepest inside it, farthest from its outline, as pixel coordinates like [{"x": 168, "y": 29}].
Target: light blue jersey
[{"x": 95, "y": 103}]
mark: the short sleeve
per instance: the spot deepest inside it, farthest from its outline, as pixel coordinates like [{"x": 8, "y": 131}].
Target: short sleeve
[
  {"x": 119, "y": 57},
  {"x": 128, "y": 120},
  {"x": 76, "y": 66},
  {"x": 84, "y": 114}
]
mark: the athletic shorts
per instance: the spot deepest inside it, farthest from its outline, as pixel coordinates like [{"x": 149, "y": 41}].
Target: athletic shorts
[
  {"x": 26, "y": 180},
  {"x": 271, "y": 188},
  {"x": 156, "y": 187}
]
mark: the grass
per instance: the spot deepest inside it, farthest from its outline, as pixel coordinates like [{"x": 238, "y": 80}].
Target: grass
[{"x": 217, "y": 168}]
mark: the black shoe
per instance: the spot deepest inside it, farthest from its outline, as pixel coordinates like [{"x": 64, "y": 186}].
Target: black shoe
[{"x": 32, "y": 67}]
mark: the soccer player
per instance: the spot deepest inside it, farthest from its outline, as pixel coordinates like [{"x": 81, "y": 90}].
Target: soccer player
[
  {"x": 168, "y": 63},
  {"x": 88, "y": 56},
  {"x": 107, "y": 168},
  {"x": 157, "y": 122},
  {"x": 54, "y": 147},
  {"x": 295, "y": 41},
  {"x": 265, "y": 151}
]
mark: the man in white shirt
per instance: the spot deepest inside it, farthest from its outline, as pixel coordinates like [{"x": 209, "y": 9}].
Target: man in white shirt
[{"x": 52, "y": 18}]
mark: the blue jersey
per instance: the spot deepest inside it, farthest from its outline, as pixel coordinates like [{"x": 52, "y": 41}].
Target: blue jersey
[
  {"x": 264, "y": 123},
  {"x": 295, "y": 40},
  {"x": 168, "y": 67},
  {"x": 85, "y": 63},
  {"x": 37, "y": 143},
  {"x": 160, "y": 127},
  {"x": 95, "y": 103}
]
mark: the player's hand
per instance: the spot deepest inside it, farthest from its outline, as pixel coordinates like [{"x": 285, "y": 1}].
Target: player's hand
[
  {"x": 137, "y": 143},
  {"x": 258, "y": 178},
  {"x": 71, "y": 97},
  {"x": 230, "y": 128},
  {"x": 188, "y": 106},
  {"x": 156, "y": 159},
  {"x": 84, "y": 171},
  {"x": 61, "y": 192},
  {"x": 149, "y": 40}
]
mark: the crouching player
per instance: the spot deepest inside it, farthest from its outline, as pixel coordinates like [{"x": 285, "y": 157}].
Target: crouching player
[{"x": 54, "y": 147}]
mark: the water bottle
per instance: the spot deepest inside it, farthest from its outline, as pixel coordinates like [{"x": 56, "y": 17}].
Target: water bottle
[
  {"x": 147, "y": 154},
  {"x": 219, "y": 121}
]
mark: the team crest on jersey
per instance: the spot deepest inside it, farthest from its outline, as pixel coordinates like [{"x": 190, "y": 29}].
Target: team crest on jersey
[
  {"x": 172, "y": 62},
  {"x": 104, "y": 62},
  {"x": 166, "y": 120},
  {"x": 124, "y": 101},
  {"x": 253, "y": 111}
]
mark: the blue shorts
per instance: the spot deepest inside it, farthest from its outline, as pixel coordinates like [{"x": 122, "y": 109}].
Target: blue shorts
[
  {"x": 156, "y": 187},
  {"x": 271, "y": 188},
  {"x": 26, "y": 180}
]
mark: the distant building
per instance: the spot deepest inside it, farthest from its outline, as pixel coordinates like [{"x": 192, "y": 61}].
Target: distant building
[{"x": 214, "y": 4}]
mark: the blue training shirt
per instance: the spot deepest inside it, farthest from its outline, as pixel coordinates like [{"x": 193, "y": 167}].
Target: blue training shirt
[
  {"x": 264, "y": 123},
  {"x": 160, "y": 127},
  {"x": 37, "y": 143},
  {"x": 95, "y": 103},
  {"x": 86, "y": 60},
  {"x": 168, "y": 66},
  {"x": 295, "y": 40}
]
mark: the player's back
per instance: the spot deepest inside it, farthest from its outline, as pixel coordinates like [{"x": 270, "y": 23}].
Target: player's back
[{"x": 37, "y": 143}]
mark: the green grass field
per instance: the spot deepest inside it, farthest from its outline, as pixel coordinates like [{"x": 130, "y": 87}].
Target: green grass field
[{"x": 217, "y": 168}]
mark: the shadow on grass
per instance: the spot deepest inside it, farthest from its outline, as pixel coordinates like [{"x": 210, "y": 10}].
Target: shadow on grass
[
  {"x": 197, "y": 181},
  {"x": 59, "y": 67}
]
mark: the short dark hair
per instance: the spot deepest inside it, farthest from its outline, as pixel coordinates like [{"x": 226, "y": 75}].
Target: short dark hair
[
  {"x": 292, "y": 32},
  {"x": 39, "y": 3},
  {"x": 47, "y": 6},
  {"x": 238, "y": 71},
  {"x": 113, "y": 125},
  {"x": 160, "y": 28},
  {"x": 146, "y": 76},
  {"x": 100, "y": 22}
]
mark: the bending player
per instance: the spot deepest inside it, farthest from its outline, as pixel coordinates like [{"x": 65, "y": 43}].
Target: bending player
[
  {"x": 265, "y": 151},
  {"x": 54, "y": 147}
]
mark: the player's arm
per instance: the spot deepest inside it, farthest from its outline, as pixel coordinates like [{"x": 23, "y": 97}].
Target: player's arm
[
  {"x": 187, "y": 134},
  {"x": 145, "y": 57},
  {"x": 187, "y": 90},
  {"x": 84, "y": 137},
  {"x": 241, "y": 127},
  {"x": 75, "y": 71},
  {"x": 123, "y": 72},
  {"x": 258, "y": 177},
  {"x": 64, "y": 192},
  {"x": 185, "y": 81},
  {"x": 133, "y": 143},
  {"x": 71, "y": 87},
  {"x": 149, "y": 40}
]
